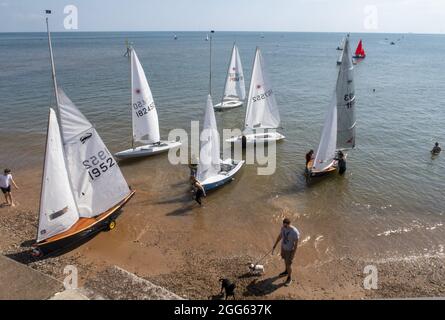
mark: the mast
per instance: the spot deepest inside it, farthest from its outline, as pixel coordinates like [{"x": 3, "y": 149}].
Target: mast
[
  {"x": 56, "y": 93},
  {"x": 53, "y": 68},
  {"x": 130, "y": 54},
  {"x": 210, "y": 76}
]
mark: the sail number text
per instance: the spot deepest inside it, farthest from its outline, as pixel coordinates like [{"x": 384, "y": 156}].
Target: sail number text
[
  {"x": 141, "y": 108},
  {"x": 98, "y": 164},
  {"x": 262, "y": 96}
]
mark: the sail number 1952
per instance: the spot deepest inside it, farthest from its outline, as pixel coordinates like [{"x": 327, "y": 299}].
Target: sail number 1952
[{"x": 98, "y": 164}]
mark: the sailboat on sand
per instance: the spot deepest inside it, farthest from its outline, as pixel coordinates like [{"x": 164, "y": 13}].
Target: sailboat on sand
[
  {"x": 234, "y": 88},
  {"x": 262, "y": 114},
  {"x": 144, "y": 116},
  {"x": 338, "y": 132},
  {"x": 83, "y": 188}
]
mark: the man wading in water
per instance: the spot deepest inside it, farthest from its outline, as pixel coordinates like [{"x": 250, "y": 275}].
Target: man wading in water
[{"x": 289, "y": 236}]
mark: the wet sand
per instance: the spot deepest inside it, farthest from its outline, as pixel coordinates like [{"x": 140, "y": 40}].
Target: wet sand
[{"x": 166, "y": 238}]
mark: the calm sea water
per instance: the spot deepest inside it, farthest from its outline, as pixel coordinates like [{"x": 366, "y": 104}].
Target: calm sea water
[{"x": 393, "y": 187}]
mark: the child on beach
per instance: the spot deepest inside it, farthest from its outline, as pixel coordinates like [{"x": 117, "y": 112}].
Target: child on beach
[
  {"x": 5, "y": 185},
  {"x": 199, "y": 190}
]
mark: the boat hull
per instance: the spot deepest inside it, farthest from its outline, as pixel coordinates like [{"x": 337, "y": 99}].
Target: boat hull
[
  {"x": 258, "y": 138},
  {"x": 147, "y": 150},
  {"x": 81, "y": 231},
  {"x": 227, "y": 105},
  {"x": 222, "y": 179},
  {"x": 313, "y": 174}
]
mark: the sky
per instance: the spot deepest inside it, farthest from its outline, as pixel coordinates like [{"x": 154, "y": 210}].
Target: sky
[{"x": 383, "y": 16}]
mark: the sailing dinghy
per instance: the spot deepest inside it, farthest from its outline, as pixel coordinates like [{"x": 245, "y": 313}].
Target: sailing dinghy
[
  {"x": 235, "y": 88},
  {"x": 262, "y": 112},
  {"x": 83, "y": 188},
  {"x": 360, "y": 51},
  {"x": 340, "y": 56},
  {"x": 339, "y": 127},
  {"x": 144, "y": 117},
  {"x": 213, "y": 172}
]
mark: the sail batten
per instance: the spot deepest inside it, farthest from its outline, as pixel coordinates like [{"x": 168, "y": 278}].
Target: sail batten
[
  {"x": 144, "y": 115},
  {"x": 262, "y": 109}
]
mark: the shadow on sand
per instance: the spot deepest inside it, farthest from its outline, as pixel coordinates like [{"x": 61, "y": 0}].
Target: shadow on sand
[{"x": 263, "y": 287}]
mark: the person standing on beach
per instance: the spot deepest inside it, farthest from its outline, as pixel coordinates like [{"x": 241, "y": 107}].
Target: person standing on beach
[
  {"x": 5, "y": 185},
  {"x": 288, "y": 236}
]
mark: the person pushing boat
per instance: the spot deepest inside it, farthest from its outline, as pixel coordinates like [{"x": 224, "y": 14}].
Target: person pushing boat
[
  {"x": 341, "y": 162},
  {"x": 309, "y": 156},
  {"x": 199, "y": 190}
]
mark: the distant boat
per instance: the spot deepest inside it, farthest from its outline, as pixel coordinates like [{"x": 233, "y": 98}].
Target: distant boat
[
  {"x": 262, "y": 110},
  {"x": 175, "y": 37},
  {"x": 392, "y": 43},
  {"x": 339, "y": 126},
  {"x": 235, "y": 88},
  {"x": 83, "y": 188},
  {"x": 360, "y": 51},
  {"x": 144, "y": 116},
  {"x": 342, "y": 44},
  {"x": 207, "y": 38},
  {"x": 340, "y": 56}
]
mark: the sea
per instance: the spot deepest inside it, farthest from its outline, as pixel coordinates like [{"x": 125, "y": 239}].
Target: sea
[{"x": 389, "y": 205}]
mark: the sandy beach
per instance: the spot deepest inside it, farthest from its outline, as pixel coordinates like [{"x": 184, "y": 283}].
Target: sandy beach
[{"x": 186, "y": 249}]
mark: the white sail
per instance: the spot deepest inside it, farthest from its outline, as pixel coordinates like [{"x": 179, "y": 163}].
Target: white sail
[
  {"x": 96, "y": 180},
  {"x": 209, "y": 154},
  {"x": 235, "y": 88},
  {"x": 346, "y": 101},
  {"x": 58, "y": 210},
  {"x": 144, "y": 115},
  {"x": 262, "y": 109},
  {"x": 326, "y": 149}
]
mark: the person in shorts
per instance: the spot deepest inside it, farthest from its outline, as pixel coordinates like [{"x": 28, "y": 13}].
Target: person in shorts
[
  {"x": 6, "y": 181},
  {"x": 288, "y": 236}
]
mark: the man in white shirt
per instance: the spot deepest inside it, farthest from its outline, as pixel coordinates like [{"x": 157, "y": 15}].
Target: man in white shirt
[
  {"x": 288, "y": 236},
  {"x": 5, "y": 185}
]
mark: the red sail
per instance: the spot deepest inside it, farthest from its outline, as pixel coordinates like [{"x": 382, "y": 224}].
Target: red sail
[{"x": 360, "y": 52}]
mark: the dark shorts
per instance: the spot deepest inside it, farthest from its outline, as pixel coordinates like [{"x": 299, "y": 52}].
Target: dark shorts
[
  {"x": 5, "y": 190},
  {"x": 288, "y": 256}
]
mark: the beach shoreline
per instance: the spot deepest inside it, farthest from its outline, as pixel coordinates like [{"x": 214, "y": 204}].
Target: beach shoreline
[{"x": 184, "y": 248}]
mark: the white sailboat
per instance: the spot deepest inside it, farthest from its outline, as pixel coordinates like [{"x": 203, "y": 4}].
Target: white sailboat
[
  {"x": 83, "y": 188},
  {"x": 212, "y": 171},
  {"x": 341, "y": 48},
  {"x": 262, "y": 112},
  {"x": 234, "y": 88},
  {"x": 144, "y": 117},
  {"x": 339, "y": 127}
]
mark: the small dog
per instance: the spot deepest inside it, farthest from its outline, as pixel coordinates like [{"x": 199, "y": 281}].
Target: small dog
[
  {"x": 256, "y": 269},
  {"x": 229, "y": 288}
]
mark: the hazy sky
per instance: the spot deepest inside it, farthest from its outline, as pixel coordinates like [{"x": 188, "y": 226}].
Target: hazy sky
[{"x": 418, "y": 16}]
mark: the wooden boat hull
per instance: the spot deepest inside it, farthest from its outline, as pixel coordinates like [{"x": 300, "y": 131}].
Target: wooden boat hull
[
  {"x": 227, "y": 105},
  {"x": 314, "y": 174},
  {"x": 147, "y": 150},
  {"x": 222, "y": 179},
  {"x": 82, "y": 230},
  {"x": 258, "y": 138}
]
